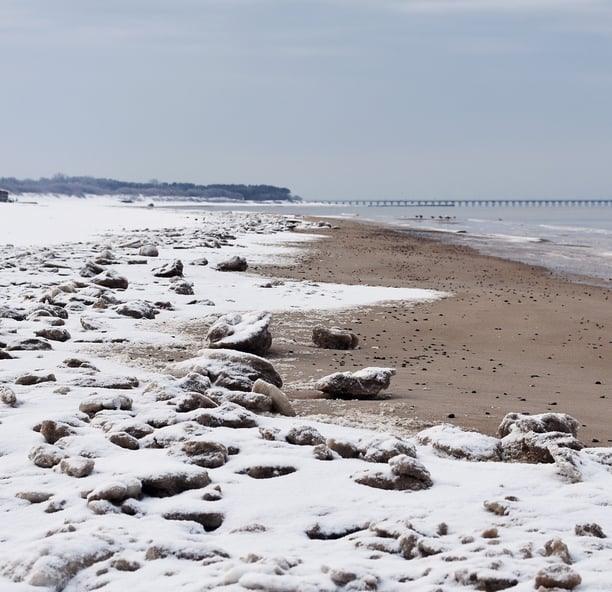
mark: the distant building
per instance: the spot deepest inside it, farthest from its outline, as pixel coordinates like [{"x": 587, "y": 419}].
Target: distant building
[{"x": 4, "y": 195}]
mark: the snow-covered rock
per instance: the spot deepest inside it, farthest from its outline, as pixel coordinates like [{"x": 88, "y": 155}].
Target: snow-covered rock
[{"x": 363, "y": 384}]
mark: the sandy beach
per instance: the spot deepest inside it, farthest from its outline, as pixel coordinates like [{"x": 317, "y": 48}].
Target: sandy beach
[{"x": 513, "y": 337}]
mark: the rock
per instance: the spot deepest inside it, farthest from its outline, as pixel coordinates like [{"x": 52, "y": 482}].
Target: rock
[
  {"x": 557, "y": 548},
  {"x": 77, "y": 466},
  {"x": 148, "y": 250},
  {"x": 557, "y": 576},
  {"x": 542, "y": 423},
  {"x": 172, "y": 482},
  {"x": 249, "y": 400},
  {"x": 6, "y": 312},
  {"x": 182, "y": 287},
  {"x": 529, "y": 438},
  {"x": 55, "y": 571},
  {"x": 592, "y": 529},
  {"x": 53, "y": 334},
  {"x": 363, "y": 384},
  {"x": 206, "y": 454},
  {"x": 90, "y": 324},
  {"x": 34, "y": 497},
  {"x": 334, "y": 338},
  {"x": 404, "y": 465},
  {"x": 78, "y": 363},
  {"x": 268, "y": 472},
  {"x": 226, "y": 415},
  {"x": 497, "y": 508},
  {"x": 228, "y": 368},
  {"x": 405, "y": 473},
  {"x": 381, "y": 449},
  {"x": 486, "y": 580},
  {"x": 201, "y": 552},
  {"x": 304, "y": 436},
  {"x": 124, "y": 440},
  {"x": 202, "y": 261},
  {"x": 31, "y": 379},
  {"x": 137, "y": 309},
  {"x": 137, "y": 430},
  {"x": 46, "y": 456},
  {"x": 48, "y": 310},
  {"x": 450, "y": 440},
  {"x": 569, "y": 462},
  {"x": 107, "y": 382},
  {"x": 31, "y": 344},
  {"x": 123, "y": 564},
  {"x": 233, "y": 264},
  {"x": 248, "y": 332},
  {"x": 322, "y": 452},
  {"x": 172, "y": 269},
  {"x": 5, "y": 355},
  {"x": 52, "y": 431},
  {"x": 110, "y": 279},
  {"x": 209, "y": 520},
  {"x": 7, "y": 396},
  {"x": 91, "y": 269},
  {"x": 191, "y": 401},
  {"x": 344, "y": 448},
  {"x": 95, "y": 403},
  {"x": 280, "y": 401},
  {"x": 117, "y": 491}
]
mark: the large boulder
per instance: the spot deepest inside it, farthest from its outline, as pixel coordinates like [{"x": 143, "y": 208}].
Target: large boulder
[
  {"x": 363, "y": 384},
  {"x": 247, "y": 332},
  {"x": 530, "y": 438},
  {"x": 334, "y": 338},
  {"x": 228, "y": 368}
]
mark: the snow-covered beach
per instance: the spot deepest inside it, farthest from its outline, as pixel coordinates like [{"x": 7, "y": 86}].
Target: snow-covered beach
[{"x": 120, "y": 469}]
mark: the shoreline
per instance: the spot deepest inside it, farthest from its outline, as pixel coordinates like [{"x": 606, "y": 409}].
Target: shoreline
[{"x": 513, "y": 338}]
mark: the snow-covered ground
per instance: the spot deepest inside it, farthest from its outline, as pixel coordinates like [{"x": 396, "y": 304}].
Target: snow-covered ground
[{"x": 118, "y": 472}]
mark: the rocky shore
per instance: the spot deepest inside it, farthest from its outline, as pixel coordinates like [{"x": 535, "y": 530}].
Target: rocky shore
[{"x": 153, "y": 429}]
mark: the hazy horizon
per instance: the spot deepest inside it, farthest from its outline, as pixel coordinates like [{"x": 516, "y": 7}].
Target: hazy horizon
[{"x": 333, "y": 99}]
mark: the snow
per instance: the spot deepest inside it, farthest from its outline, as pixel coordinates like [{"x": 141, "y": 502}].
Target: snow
[{"x": 480, "y": 524}]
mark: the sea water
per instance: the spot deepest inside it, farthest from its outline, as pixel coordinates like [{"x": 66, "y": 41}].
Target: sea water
[{"x": 575, "y": 240}]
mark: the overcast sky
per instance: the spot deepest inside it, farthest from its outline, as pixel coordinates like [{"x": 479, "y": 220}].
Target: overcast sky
[{"x": 331, "y": 98}]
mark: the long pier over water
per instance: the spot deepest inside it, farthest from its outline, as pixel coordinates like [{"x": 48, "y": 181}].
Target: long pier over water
[{"x": 455, "y": 203}]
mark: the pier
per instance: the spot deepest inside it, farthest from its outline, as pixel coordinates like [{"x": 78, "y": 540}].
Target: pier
[{"x": 467, "y": 203}]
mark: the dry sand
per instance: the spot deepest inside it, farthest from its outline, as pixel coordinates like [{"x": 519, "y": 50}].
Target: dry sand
[{"x": 512, "y": 338}]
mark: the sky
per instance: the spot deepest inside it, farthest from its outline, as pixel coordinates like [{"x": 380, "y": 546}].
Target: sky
[{"x": 335, "y": 99}]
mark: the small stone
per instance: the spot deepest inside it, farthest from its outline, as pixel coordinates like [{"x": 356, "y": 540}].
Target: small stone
[
  {"x": 557, "y": 576},
  {"x": 304, "y": 436},
  {"x": 52, "y": 431},
  {"x": 124, "y": 440},
  {"x": 31, "y": 379},
  {"x": 77, "y": 466},
  {"x": 233, "y": 264},
  {"x": 7, "y": 396},
  {"x": 593, "y": 529}
]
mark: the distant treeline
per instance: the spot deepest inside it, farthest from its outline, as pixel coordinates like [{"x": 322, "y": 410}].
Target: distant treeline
[{"x": 82, "y": 186}]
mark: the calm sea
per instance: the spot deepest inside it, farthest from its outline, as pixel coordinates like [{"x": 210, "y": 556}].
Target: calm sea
[{"x": 566, "y": 239}]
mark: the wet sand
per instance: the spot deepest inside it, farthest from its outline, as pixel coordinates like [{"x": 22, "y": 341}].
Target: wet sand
[{"x": 513, "y": 337}]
